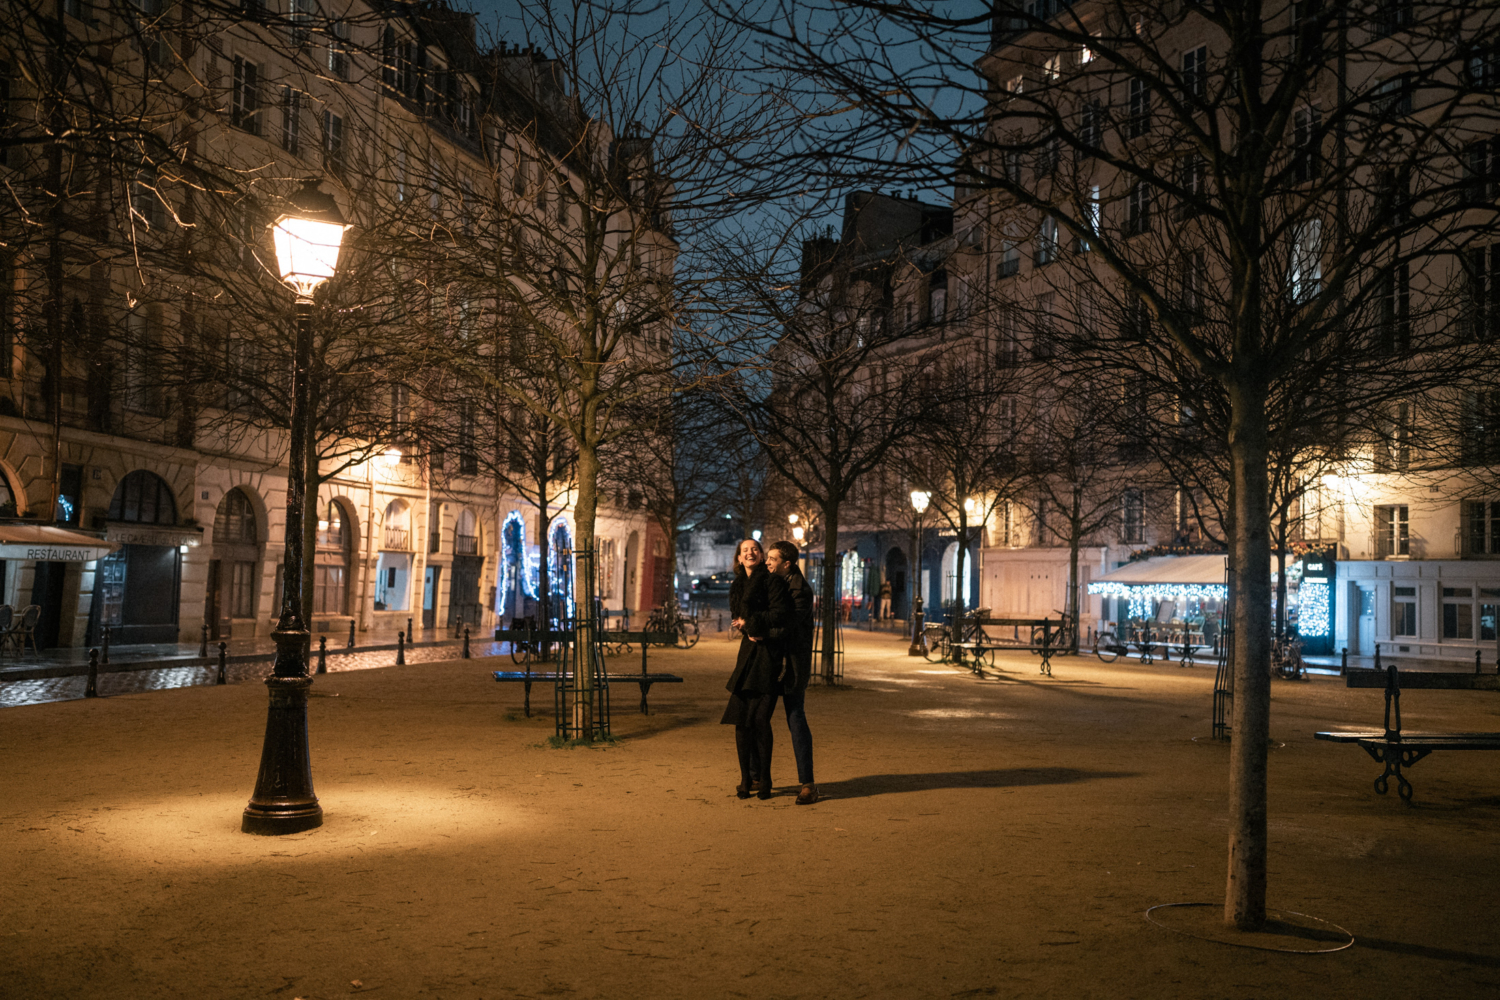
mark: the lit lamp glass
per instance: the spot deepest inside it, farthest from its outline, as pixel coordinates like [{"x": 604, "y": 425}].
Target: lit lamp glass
[
  {"x": 308, "y": 239},
  {"x": 919, "y": 500},
  {"x": 797, "y": 533},
  {"x": 390, "y": 458},
  {"x": 791, "y": 519}
]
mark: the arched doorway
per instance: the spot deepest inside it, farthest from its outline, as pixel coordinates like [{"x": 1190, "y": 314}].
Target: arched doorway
[
  {"x": 136, "y": 589},
  {"x": 331, "y": 562},
  {"x": 234, "y": 566},
  {"x": 895, "y": 574},
  {"x": 393, "y": 565},
  {"x": 633, "y": 571}
]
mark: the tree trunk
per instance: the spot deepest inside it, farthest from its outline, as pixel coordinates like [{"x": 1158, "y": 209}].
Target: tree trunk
[
  {"x": 1250, "y": 553},
  {"x": 830, "y": 586},
  {"x": 1075, "y": 540}
]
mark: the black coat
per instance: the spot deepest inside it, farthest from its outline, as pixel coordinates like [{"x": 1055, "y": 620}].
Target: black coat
[
  {"x": 796, "y": 638},
  {"x": 763, "y": 601}
]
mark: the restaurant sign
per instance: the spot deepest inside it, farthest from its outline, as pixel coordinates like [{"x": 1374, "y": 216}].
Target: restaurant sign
[{"x": 53, "y": 553}]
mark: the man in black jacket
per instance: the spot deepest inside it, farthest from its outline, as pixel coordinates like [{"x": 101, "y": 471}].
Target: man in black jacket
[{"x": 795, "y": 643}]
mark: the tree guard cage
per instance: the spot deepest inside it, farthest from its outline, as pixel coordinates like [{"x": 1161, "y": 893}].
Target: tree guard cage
[
  {"x": 818, "y": 676},
  {"x": 581, "y": 691},
  {"x": 1224, "y": 678}
]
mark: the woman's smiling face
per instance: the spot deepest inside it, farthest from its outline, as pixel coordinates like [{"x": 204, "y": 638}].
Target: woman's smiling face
[{"x": 751, "y": 554}]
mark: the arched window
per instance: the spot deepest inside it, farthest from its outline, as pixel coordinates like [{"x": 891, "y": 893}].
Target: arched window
[
  {"x": 331, "y": 566},
  {"x": 234, "y": 522},
  {"x": 397, "y": 526},
  {"x": 144, "y": 498}
]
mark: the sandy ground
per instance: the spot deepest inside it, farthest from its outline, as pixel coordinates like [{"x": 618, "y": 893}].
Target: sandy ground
[{"x": 978, "y": 838}]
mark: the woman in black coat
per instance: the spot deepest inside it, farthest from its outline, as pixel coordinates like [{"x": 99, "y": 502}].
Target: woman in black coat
[{"x": 759, "y": 603}]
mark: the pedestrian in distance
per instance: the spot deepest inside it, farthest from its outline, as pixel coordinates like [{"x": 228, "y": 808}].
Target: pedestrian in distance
[
  {"x": 759, "y": 603},
  {"x": 796, "y": 642},
  {"x": 885, "y": 601}
]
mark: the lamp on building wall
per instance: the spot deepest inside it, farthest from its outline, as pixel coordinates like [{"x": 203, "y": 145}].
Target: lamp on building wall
[
  {"x": 308, "y": 238},
  {"x": 919, "y": 501}
]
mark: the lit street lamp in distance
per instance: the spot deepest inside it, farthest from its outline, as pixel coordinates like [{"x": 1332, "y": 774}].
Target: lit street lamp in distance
[
  {"x": 307, "y": 239},
  {"x": 919, "y": 501}
]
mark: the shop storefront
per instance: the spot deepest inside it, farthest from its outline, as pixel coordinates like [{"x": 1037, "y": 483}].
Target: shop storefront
[
  {"x": 1167, "y": 594},
  {"x": 45, "y": 566}
]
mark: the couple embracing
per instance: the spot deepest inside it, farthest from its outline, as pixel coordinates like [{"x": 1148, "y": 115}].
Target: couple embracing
[{"x": 772, "y": 606}]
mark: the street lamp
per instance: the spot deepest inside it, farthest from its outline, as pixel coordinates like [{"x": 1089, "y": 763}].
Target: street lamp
[
  {"x": 307, "y": 239},
  {"x": 798, "y": 532},
  {"x": 919, "y": 501}
]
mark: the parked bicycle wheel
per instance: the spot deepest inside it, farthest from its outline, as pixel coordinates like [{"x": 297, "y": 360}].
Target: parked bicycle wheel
[
  {"x": 687, "y": 633},
  {"x": 937, "y": 643},
  {"x": 1106, "y": 648},
  {"x": 520, "y": 653}
]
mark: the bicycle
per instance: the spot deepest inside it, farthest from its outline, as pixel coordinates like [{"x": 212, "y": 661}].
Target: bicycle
[
  {"x": 523, "y": 651},
  {"x": 1109, "y": 647},
  {"x": 939, "y": 641},
  {"x": 669, "y": 619},
  {"x": 1286, "y": 659}
]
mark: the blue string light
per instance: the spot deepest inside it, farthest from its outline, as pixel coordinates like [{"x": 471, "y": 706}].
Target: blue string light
[{"x": 1314, "y": 616}]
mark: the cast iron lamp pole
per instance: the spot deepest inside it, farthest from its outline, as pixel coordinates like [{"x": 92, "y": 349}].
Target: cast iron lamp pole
[
  {"x": 919, "y": 501},
  {"x": 307, "y": 252}
]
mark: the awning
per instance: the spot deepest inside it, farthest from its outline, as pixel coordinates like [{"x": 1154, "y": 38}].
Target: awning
[
  {"x": 44, "y": 543},
  {"x": 1173, "y": 578}
]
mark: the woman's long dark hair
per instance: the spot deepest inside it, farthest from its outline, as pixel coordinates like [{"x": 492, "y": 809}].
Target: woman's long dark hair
[{"x": 739, "y": 567}]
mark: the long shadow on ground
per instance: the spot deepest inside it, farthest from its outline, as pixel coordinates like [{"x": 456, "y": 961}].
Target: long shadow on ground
[{"x": 883, "y": 784}]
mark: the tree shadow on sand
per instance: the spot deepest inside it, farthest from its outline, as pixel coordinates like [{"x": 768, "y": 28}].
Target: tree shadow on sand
[{"x": 1016, "y": 777}]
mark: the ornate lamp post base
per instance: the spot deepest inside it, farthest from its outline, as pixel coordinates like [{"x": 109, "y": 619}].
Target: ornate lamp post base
[
  {"x": 284, "y": 801},
  {"x": 918, "y": 645}
]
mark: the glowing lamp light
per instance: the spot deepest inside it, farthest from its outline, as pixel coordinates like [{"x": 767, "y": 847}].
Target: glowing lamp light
[
  {"x": 390, "y": 458},
  {"x": 919, "y": 500},
  {"x": 791, "y": 519},
  {"x": 755, "y": 534},
  {"x": 797, "y": 533},
  {"x": 308, "y": 239},
  {"x": 969, "y": 505}
]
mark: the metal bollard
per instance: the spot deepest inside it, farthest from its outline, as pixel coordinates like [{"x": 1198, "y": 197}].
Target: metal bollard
[
  {"x": 322, "y": 654},
  {"x": 105, "y": 657},
  {"x": 409, "y": 633},
  {"x": 1377, "y": 656},
  {"x": 400, "y": 649},
  {"x": 91, "y": 690},
  {"x": 223, "y": 660},
  {"x": 1478, "y": 669},
  {"x": 351, "y": 633},
  {"x": 203, "y": 645},
  {"x": 1344, "y": 662},
  {"x": 466, "y": 643}
]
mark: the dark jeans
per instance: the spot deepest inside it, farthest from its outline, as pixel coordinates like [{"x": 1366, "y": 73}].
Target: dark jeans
[{"x": 796, "y": 721}]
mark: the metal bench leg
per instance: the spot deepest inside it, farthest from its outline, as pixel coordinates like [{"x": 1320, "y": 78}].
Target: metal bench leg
[{"x": 645, "y": 690}]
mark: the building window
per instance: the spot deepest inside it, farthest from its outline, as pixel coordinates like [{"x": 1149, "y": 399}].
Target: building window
[
  {"x": 1192, "y": 177},
  {"x": 291, "y": 120},
  {"x": 466, "y": 534},
  {"x": 1139, "y": 122},
  {"x": 1391, "y": 98},
  {"x": 234, "y": 522},
  {"x": 331, "y": 571},
  {"x": 1393, "y": 310},
  {"x": 1010, "y": 258},
  {"x": 1194, "y": 71},
  {"x": 1093, "y": 217},
  {"x": 1192, "y": 285},
  {"x": 1481, "y": 292},
  {"x": 1091, "y": 128},
  {"x": 1483, "y": 519},
  {"x": 1306, "y": 145},
  {"x": 1133, "y": 517},
  {"x": 1305, "y": 263},
  {"x": 244, "y": 104},
  {"x": 1044, "y": 334},
  {"x": 145, "y": 199},
  {"x": 1392, "y": 535},
  {"x": 242, "y": 590},
  {"x": 1404, "y": 611},
  {"x": 468, "y": 458},
  {"x": 1007, "y": 343},
  {"x": 338, "y": 48},
  {"x": 1458, "y": 612},
  {"x": 1046, "y": 241},
  {"x": 1479, "y": 429},
  {"x": 1048, "y": 156},
  {"x": 1138, "y": 209},
  {"x": 333, "y": 138},
  {"x": 143, "y": 498},
  {"x": 1488, "y": 606},
  {"x": 1393, "y": 445},
  {"x": 1389, "y": 17},
  {"x": 299, "y": 15}
]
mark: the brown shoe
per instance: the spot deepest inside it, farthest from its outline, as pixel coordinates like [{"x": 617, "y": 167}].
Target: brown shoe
[{"x": 808, "y": 795}]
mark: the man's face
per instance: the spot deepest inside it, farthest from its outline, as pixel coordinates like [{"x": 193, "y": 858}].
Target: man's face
[{"x": 776, "y": 562}]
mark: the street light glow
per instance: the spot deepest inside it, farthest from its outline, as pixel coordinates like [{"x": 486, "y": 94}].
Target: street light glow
[
  {"x": 308, "y": 239},
  {"x": 797, "y": 533},
  {"x": 919, "y": 500},
  {"x": 791, "y": 519}
]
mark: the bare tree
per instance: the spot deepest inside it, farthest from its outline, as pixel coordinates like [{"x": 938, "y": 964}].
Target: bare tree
[{"x": 1301, "y": 162}]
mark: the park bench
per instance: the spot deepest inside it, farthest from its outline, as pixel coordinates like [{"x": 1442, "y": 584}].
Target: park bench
[
  {"x": 1397, "y": 749},
  {"x": 528, "y": 677},
  {"x": 1045, "y": 637}
]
